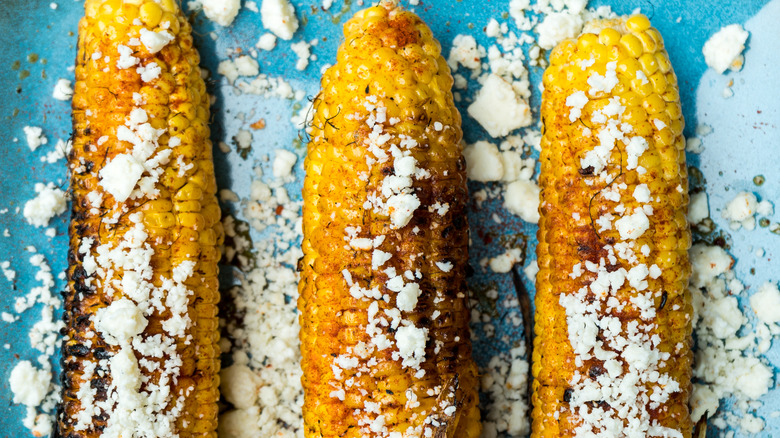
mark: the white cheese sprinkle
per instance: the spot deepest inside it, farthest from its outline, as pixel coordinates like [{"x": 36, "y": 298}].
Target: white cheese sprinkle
[{"x": 62, "y": 90}]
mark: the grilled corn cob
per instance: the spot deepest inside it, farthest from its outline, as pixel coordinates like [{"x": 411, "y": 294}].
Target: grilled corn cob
[
  {"x": 140, "y": 355},
  {"x": 612, "y": 354},
  {"x": 383, "y": 306}
]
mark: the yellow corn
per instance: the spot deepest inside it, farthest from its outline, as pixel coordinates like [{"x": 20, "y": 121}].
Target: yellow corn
[
  {"x": 179, "y": 219},
  {"x": 613, "y": 209},
  {"x": 388, "y": 94}
]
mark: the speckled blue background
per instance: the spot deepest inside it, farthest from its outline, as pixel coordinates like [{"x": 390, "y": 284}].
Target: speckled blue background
[{"x": 745, "y": 142}]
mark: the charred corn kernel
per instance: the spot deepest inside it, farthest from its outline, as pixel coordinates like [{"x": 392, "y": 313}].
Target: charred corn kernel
[
  {"x": 613, "y": 244},
  {"x": 369, "y": 257},
  {"x": 148, "y": 224}
]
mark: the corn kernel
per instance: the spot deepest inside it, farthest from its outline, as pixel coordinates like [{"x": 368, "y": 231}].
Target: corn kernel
[
  {"x": 150, "y": 14},
  {"x": 648, "y": 63},
  {"x": 637, "y": 23},
  {"x": 609, "y": 37},
  {"x": 632, "y": 44}
]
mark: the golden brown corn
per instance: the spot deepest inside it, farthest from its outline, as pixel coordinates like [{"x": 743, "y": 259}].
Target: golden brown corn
[
  {"x": 140, "y": 355},
  {"x": 612, "y": 354},
  {"x": 383, "y": 306}
]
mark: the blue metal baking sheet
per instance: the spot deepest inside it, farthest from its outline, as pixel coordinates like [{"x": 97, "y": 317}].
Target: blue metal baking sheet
[{"x": 745, "y": 141}]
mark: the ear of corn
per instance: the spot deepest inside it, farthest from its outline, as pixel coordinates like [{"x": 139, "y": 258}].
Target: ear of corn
[
  {"x": 612, "y": 354},
  {"x": 140, "y": 356},
  {"x": 384, "y": 318}
]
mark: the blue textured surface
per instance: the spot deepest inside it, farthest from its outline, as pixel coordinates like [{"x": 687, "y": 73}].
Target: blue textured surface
[{"x": 744, "y": 143}]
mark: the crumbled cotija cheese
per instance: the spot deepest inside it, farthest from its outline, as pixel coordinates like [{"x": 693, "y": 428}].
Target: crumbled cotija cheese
[
  {"x": 50, "y": 201},
  {"x": 483, "y": 161},
  {"x": 62, "y": 90},
  {"x": 498, "y": 109},
  {"x": 266, "y": 42},
  {"x": 222, "y": 12},
  {"x": 766, "y": 303},
  {"x": 34, "y": 136},
  {"x": 522, "y": 198},
  {"x": 279, "y": 17},
  {"x": 698, "y": 210},
  {"x": 283, "y": 163},
  {"x": 302, "y": 50},
  {"x": 724, "y": 49},
  {"x": 244, "y": 65},
  {"x": 29, "y": 384},
  {"x": 155, "y": 41},
  {"x": 741, "y": 210},
  {"x": 557, "y": 27}
]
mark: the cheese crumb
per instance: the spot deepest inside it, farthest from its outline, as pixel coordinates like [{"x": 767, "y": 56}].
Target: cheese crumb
[
  {"x": 34, "y": 136},
  {"x": 62, "y": 90},
  {"x": 698, "y": 209},
  {"x": 29, "y": 384},
  {"x": 522, "y": 198},
  {"x": 49, "y": 202},
  {"x": 283, "y": 163},
  {"x": 239, "y": 385},
  {"x": 483, "y": 161},
  {"x": 557, "y": 27},
  {"x": 266, "y": 42},
  {"x": 741, "y": 210},
  {"x": 498, "y": 108},
  {"x": 724, "y": 49},
  {"x": 633, "y": 226},
  {"x": 120, "y": 321},
  {"x": 120, "y": 176},
  {"x": 222, "y": 12},
  {"x": 279, "y": 17},
  {"x": 155, "y": 41},
  {"x": 766, "y": 303}
]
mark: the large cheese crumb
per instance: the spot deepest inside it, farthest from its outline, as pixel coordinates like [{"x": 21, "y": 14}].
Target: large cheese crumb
[
  {"x": 120, "y": 176},
  {"x": 29, "y": 384},
  {"x": 698, "y": 209},
  {"x": 62, "y": 90},
  {"x": 740, "y": 211},
  {"x": 34, "y": 136},
  {"x": 411, "y": 342},
  {"x": 120, "y": 321},
  {"x": 241, "y": 423},
  {"x": 155, "y": 41},
  {"x": 522, "y": 198},
  {"x": 239, "y": 386},
  {"x": 222, "y": 12},
  {"x": 401, "y": 208},
  {"x": 557, "y": 27},
  {"x": 498, "y": 109},
  {"x": 266, "y": 42},
  {"x": 244, "y": 65},
  {"x": 283, "y": 163},
  {"x": 632, "y": 226},
  {"x": 724, "y": 49},
  {"x": 467, "y": 53},
  {"x": 707, "y": 262},
  {"x": 279, "y": 17},
  {"x": 483, "y": 161},
  {"x": 766, "y": 303},
  {"x": 49, "y": 202}
]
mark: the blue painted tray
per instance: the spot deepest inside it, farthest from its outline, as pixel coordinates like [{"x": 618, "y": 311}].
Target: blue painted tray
[{"x": 745, "y": 141}]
